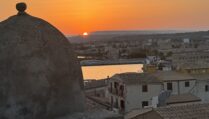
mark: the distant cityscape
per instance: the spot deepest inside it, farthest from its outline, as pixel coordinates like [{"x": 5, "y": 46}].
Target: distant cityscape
[
  {"x": 113, "y": 47},
  {"x": 175, "y": 74}
]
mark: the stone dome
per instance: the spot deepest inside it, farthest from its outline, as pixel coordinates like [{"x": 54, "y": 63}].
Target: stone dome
[{"x": 40, "y": 77}]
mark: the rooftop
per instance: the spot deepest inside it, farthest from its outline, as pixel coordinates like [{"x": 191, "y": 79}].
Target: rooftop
[
  {"x": 194, "y": 65},
  {"x": 181, "y": 111},
  {"x": 136, "y": 78},
  {"x": 172, "y": 76},
  {"x": 182, "y": 98},
  {"x": 201, "y": 76},
  {"x": 185, "y": 111},
  {"x": 157, "y": 77}
]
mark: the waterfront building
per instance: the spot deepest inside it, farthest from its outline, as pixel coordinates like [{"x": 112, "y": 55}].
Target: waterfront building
[{"x": 190, "y": 61}]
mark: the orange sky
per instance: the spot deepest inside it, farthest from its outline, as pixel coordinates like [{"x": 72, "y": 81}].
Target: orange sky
[{"x": 78, "y": 16}]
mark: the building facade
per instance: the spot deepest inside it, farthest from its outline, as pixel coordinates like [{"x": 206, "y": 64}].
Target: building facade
[{"x": 131, "y": 91}]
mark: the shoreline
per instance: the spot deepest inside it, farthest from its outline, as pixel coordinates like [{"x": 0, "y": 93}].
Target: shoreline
[{"x": 111, "y": 62}]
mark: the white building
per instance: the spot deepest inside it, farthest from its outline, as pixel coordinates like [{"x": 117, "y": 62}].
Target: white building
[
  {"x": 175, "y": 82},
  {"x": 189, "y": 59},
  {"x": 130, "y": 91},
  {"x": 182, "y": 83},
  {"x": 201, "y": 89},
  {"x": 186, "y": 40}
]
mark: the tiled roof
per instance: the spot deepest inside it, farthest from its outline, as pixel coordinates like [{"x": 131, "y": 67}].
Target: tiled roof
[
  {"x": 182, "y": 98},
  {"x": 157, "y": 77},
  {"x": 194, "y": 65},
  {"x": 185, "y": 111},
  {"x": 171, "y": 75},
  {"x": 137, "y": 78},
  {"x": 136, "y": 112},
  {"x": 201, "y": 76}
]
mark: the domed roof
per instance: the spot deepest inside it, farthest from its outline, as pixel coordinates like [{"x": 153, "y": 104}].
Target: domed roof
[{"x": 39, "y": 72}]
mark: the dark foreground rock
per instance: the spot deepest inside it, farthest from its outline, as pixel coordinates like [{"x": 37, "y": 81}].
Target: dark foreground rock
[
  {"x": 40, "y": 77},
  {"x": 93, "y": 111}
]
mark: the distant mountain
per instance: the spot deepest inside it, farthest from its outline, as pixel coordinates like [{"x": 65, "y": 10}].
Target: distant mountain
[
  {"x": 139, "y": 32},
  {"x": 134, "y": 35}
]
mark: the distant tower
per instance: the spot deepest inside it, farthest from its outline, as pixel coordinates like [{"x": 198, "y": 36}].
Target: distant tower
[{"x": 40, "y": 77}]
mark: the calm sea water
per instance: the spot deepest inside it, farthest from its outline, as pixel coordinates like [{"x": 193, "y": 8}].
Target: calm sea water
[{"x": 101, "y": 72}]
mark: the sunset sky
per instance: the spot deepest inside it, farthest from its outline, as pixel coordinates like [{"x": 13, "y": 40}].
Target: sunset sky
[{"x": 78, "y": 16}]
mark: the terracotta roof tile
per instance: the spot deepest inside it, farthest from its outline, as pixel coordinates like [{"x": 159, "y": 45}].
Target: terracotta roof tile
[{"x": 185, "y": 111}]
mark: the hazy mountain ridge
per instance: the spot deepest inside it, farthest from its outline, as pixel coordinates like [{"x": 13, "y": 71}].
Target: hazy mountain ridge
[{"x": 137, "y": 35}]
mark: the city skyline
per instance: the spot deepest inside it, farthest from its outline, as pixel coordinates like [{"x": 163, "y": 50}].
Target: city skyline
[{"x": 79, "y": 16}]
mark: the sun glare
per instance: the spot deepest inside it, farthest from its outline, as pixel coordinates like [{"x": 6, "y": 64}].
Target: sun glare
[{"x": 85, "y": 34}]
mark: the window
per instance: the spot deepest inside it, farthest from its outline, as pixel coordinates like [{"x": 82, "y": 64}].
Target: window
[
  {"x": 187, "y": 84},
  {"x": 111, "y": 101},
  {"x": 116, "y": 88},
  {"x": 115, "y": 85},
  {"x": 111, "y": 87},
  {"x": 206, "y": 88},
  {"x": 121, "y": 91},
  {"x": 144, "y": 88},
  {"x": 122, "y": 105},
  {"x": 144, "y": 103},
  {"x": 169, "y": 86}
]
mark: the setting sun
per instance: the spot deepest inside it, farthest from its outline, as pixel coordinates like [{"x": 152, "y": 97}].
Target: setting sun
[{"x": 85, "y": 34}]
